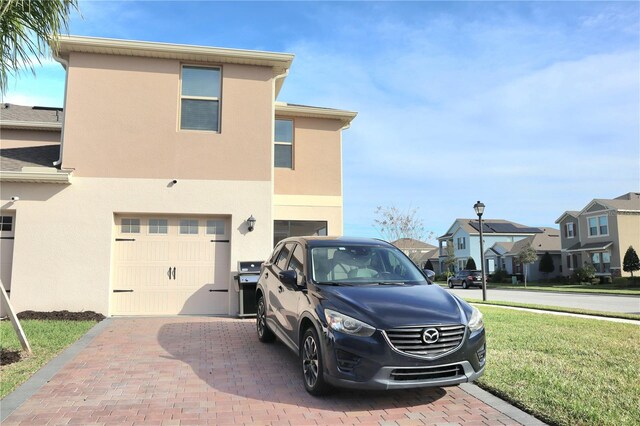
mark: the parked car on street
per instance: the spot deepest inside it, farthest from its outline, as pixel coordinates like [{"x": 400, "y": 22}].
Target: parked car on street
[
  {"x": 466, "y": 279},
  {"x": 360, "y": 314}
]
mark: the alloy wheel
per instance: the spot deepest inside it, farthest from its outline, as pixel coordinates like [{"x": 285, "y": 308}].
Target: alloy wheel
[
  {"x": 261, "y": 321},
  {"x": 310, "y": 361}
]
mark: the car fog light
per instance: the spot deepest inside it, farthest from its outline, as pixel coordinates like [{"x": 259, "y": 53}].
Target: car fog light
[{"x": 482, "y": 352}]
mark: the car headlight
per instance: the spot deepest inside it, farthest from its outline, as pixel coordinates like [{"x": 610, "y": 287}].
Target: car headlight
[
  {"x": 476, "y": 323},
  {"x": 345, "y": 324}
]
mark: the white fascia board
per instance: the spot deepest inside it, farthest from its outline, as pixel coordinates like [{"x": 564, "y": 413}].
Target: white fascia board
[
  {"x": 30, "y": 125},
  {"x": 30, "y": 175},
  {"x": 315, "y": 112}
]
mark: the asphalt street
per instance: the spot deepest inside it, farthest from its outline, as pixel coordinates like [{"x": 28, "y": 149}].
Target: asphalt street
[{"x": 595, "y": 302}]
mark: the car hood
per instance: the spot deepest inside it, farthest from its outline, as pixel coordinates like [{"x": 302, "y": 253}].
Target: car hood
[{"x": 389, "y": 306}]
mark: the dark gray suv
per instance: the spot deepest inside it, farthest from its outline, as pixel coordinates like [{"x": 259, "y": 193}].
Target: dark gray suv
[{"x": 360, "y": 314}]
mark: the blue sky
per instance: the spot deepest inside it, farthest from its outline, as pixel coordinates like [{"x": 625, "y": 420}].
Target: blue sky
[{"x": 533, "y": 108}]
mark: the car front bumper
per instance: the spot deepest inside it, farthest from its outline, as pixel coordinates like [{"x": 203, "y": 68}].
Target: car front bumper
[{"x": 371, "y": 363}]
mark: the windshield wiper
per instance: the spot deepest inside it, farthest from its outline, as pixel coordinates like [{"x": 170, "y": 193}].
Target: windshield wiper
[
  {"x": 333, "y": 283},
  {"x": 390, "y": 283}
]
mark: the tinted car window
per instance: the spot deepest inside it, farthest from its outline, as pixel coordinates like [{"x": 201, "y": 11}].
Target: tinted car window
[
  {"x": 297, "y": 261},
  {"x": 276, "y": 251},
  {"x": 281, "y": 261}
]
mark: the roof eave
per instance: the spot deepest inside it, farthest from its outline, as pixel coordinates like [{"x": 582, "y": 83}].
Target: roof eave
[
  {"x": 315, "y": 112},
  {"x": 280, "y": 62},
  {"x": 30, "y": 125}
]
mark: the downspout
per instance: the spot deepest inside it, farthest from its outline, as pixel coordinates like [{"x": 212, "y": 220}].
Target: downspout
[{"x": 65, "y": 65}]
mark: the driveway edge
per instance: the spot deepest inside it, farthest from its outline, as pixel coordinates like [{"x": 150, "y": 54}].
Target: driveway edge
[
  {"x": 16, "y": 398},
  {"x": 500, "y": 405}
]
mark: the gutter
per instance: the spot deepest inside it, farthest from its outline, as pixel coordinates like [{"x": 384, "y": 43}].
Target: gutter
[
  {"x": 65, "y": 65},
  {"x": 37, "y": 175}
]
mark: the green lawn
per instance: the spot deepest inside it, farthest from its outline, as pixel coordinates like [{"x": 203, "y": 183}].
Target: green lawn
[
  {"x": 564, "y": 370},
  {"x": 556, "y": 309},
  {"x": 47, "y": 339},
  {"x": 619, "y": 289}
]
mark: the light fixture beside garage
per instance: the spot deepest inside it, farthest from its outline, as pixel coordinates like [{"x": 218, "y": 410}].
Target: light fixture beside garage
[{"x": 251, "y": 222}]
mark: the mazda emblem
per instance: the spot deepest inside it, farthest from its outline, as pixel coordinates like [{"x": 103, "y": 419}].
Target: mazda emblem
[{"x": 430, "y": 335}]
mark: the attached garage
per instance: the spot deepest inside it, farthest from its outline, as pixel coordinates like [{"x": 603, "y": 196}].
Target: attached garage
[{"x": 168, "y": 265}]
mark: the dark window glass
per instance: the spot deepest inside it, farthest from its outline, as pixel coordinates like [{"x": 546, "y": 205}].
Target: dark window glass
[
  {"x": 284, "y": 156},
  {"x": 199, "y": 115},
  {"x": 284, "y": 254}
]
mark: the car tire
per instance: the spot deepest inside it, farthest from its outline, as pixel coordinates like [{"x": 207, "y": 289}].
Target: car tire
[
  {"x": 312, "y": 364},
  {"x": 265, "y": 335},
  {"x": 450, "y": 284},
  {"x": 465, "y": 285}
]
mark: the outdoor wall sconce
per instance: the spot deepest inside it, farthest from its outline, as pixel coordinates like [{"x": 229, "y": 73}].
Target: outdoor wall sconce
[{"x": 251, "y": 222}]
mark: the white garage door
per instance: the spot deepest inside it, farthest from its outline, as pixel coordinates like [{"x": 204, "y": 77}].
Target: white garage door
[
  {"x": 7, "y": 229},
  {"x": 167, "y": 265}
]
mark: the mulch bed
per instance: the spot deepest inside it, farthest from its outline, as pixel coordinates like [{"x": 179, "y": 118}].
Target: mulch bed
[
  {"x": 61, "y": 316},
  {"x": 9, "y": 357}
]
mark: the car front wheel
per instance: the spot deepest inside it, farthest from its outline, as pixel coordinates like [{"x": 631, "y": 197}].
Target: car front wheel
[
  {"x": 450, "y": 284},
  {"x": 464, "y": 284},
  {"x": 311, "y": 357},
  {"x": 264, "y": 334}
]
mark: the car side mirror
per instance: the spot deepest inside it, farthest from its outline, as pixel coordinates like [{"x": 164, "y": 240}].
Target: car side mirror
[
  {"x": 429, "y": 274},
  {"x": 289, "y": 278}
]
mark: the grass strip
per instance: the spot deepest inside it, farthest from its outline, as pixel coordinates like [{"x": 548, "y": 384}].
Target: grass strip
[
  {"x": 614, "y": 289},
  {"x": 556, "y": 309},
  {"x": 47, "y": 339},
  {"x": 564, "y": 370}
]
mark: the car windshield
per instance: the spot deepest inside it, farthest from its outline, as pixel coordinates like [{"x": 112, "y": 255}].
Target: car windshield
[{"x": 363, "y": 265}]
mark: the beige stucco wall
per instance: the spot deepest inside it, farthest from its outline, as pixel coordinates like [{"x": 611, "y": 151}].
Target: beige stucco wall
[
  {"x": 317, "y": 159},
  {"x": 64, "y": 233},
  {"x": 321, "y": 208},
  {"x": 122, "y": 121},
  {"x": 629, "y": 235},
  {"x": 20, "y": 138}
]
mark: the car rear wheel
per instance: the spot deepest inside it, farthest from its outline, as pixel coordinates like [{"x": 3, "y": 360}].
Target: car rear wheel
[
  {"x": 464, "y": 284},
  {"x": 450, "y": 284},
  {"x": 312, "y": 365},
  {"x": 264, "y": 334}
]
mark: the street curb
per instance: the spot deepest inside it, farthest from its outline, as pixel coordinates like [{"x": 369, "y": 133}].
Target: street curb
[
  {"x": 25, "y": 391},
  {"x": 500, "y": 405}
]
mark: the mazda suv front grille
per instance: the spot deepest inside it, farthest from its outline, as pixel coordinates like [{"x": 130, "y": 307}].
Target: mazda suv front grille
[{"x": 431, "y": 341}]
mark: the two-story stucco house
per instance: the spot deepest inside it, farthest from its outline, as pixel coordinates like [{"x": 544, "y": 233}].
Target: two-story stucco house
[
  {"x": 600, "y": 234},
  {"x": 137, "y": 200},
  {"x": 464, "y": 236}
]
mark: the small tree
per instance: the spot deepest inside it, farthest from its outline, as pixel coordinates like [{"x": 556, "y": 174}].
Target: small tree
[
  {"x": 546, "y": 265},
  {"x": 527, "y": 256},
  {"x": 394, "y": 224},
  {"x": 450, "y": 259},
  {"x": 631, "y": 262},
  {"x": 471, "y": 264},
  {"x": 429, "y": 265}
]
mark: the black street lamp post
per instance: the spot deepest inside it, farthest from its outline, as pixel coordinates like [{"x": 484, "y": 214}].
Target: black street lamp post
[{"x": 479, "y": 208}]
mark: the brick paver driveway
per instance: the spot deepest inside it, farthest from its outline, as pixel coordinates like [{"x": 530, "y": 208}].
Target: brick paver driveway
[{"x": 192, "y": 370}]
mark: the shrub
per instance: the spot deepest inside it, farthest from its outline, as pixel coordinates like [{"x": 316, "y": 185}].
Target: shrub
[
  {"x": 586, "y": 274},
  {"x": 471, "y": 264},
  {"x": 499, "y": 276},
  {"x": 631, "y": 261}
]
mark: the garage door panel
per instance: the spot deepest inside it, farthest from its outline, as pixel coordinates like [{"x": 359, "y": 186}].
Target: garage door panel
[{"x": 170, "y": 273}]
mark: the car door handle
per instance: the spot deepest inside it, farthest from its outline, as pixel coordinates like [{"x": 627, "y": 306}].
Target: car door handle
[
  {"x": 169, "y": 272},
  {"x": 174, "y": 272},
  {"x": 266, "y": 275},
  {"x": 280, "y": 289}
]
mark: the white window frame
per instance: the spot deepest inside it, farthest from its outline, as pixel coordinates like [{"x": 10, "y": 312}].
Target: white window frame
[
  {"x": 189, "y": 225},
  {"x": 224, "y": 227},
  {"x": 11, "y": 223},
  {"x": 597, "y": 219},
  {"x": 200, "y": 98},
  {"x": 275, "y": 142},
  {"x": 572, "y": 226},
  {"x": 130, "y": 225},
  {"x": 157, "y": 226}
]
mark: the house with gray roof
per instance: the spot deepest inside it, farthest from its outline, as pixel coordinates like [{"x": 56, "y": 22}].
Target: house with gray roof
[
  {"x": 464, "y": 236},
  {"x": 546, "y": 242},
  {"x": 600, "y": 234}
]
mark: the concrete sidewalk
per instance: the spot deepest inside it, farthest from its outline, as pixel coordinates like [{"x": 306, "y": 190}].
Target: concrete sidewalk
[{"x": 202, "y": 370}]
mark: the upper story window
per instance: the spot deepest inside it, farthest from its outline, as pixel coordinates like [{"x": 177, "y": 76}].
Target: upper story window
[
  {"x": 598, "y": 225},
  {"x": 200, "y": 99},
  {"x": 569, "y": 230},
  {"x": 283, "y": 144},
  {"x": 462, "y": 243},
  {"x": 6, "y": 223}
]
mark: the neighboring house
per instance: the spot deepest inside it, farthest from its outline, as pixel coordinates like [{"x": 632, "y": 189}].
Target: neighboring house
[
  {"x": 494, "y": 257},
  {"x": 600, "y": 234},
  {"x": 464, "y": 235},
  {"x": 547, "y": 241},
  {"x": 432, "y": 255},
  {"x": 415, "y": 249},
  {"x": 166, "y": 151}
]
